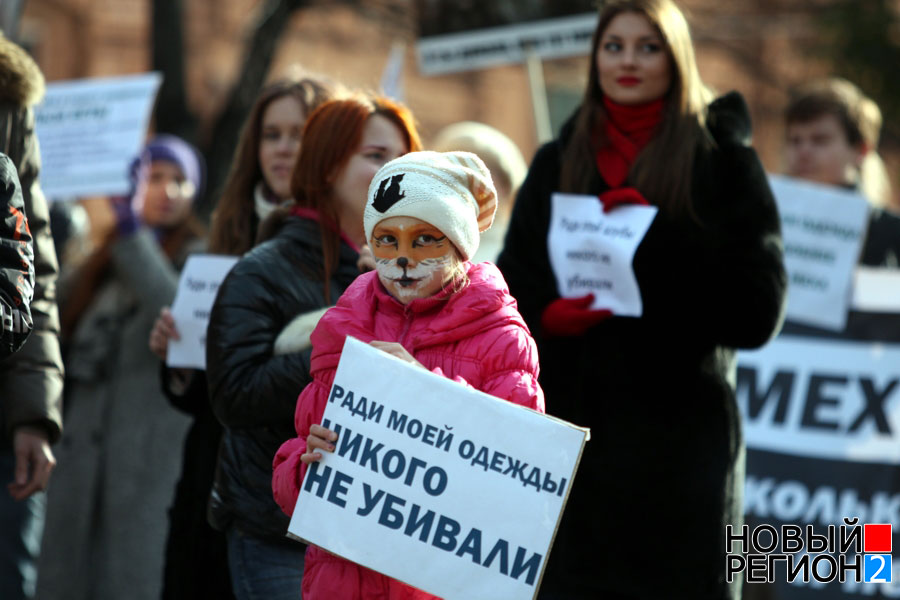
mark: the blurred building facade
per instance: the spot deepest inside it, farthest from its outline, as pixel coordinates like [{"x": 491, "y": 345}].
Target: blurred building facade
[{"x": 754, "y": 46}]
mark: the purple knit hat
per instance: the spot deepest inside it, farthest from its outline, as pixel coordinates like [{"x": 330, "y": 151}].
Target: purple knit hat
[{"x": 175, "y": 150}]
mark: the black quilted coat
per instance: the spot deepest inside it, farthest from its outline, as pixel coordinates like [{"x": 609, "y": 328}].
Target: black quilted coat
[{"x": 254, "y": 392}]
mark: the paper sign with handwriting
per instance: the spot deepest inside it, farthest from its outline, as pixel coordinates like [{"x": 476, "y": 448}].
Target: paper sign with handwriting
[
  {"x": 823, "y": 228},
  {"x": 200, "y": 280},
  {"x": 90, "y": 130},
  {"x": 591, "y": 252}
]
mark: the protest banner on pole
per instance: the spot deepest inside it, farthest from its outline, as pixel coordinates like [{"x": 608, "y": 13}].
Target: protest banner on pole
[
  {"x": 90, "y": 130},
  {"x": 435, "y": 484},
  {"x": 197, "y": 288},
  {"x": 592, "y": 252},
  {"x": 454, "y": 38},
  {"x": 822, "y": 227}
]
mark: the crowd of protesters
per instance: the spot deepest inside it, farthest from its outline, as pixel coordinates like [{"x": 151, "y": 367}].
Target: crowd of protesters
[{"x": 191, "y": 498}]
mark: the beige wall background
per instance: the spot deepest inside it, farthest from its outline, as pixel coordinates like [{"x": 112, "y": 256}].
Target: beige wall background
[{"x": 748, "y": 45}]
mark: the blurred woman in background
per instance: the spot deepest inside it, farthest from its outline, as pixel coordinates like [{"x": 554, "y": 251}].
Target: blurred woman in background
[
  {"x": 258, "y": 348},
  {"x": 506, "y": 164},
  {"x": 259, "y": 181},
  {"x": 106, "y": 512}
]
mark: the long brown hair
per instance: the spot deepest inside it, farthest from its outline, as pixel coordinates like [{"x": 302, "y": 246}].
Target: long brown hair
[
  {"x": 332, "y": 135},
  {"x": 234, "y": 223},
  {"x": 663, "y": 170}
]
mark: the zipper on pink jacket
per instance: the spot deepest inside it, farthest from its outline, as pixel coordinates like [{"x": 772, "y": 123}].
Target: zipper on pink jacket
[{"x": 407, "y": 323}]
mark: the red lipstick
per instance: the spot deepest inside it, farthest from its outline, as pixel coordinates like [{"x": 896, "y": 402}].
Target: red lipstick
[{"x": 628, "y": 81}]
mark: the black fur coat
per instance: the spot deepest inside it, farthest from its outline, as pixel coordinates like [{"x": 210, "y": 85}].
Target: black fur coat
[{"x": 663, "y": 471}]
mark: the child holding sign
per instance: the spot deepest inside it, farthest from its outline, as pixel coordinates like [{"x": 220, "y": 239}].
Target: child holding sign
[{"x": 424, "y": 303}]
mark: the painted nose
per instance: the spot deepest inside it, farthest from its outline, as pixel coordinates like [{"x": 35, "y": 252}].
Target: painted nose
[{"x": 402, "y": 262}]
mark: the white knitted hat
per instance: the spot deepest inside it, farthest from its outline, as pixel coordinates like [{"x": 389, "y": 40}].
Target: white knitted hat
[{"x": 451, "y": 190}]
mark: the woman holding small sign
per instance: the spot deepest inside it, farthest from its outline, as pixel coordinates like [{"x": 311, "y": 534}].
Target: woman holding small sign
[
  {"x": 257, "y": 357},
  {"x": 664, "y": 465},
  {"x": 106, "y": 513},
  {"x": 425, "y": 304},
  {"x": 258, "y": 182}
]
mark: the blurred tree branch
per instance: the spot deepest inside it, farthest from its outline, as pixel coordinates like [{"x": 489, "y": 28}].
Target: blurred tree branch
[
  {"x": 172, "y": 112},
  {"x": 863, "y": 41}
]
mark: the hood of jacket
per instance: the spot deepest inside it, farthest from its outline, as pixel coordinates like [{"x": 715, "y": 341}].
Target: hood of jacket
[
  {"x": 447, "y": 317},
  {"x": 21, "y": 81}
]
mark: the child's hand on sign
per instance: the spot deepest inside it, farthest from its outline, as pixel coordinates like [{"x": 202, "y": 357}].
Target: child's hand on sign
[
  {"x": 163, "y": 330},
  {"x": 395, "y": 349},
  {"x": 319, "y": 438}
]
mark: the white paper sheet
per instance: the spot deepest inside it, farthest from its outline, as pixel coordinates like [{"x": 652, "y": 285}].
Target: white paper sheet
[
  {"x": 200, "y": 280},
  {"x": 90, "y": 130},
  {"x": 591, "y": 252}
]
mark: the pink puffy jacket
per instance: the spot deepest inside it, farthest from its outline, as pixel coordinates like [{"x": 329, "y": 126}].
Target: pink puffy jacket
[{"x": 474, "y": 336}]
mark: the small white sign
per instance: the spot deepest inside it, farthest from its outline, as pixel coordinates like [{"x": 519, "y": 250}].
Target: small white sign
[
  {"x": 876, "y": 289},
  {"x": 90, "y": 130},
  {"x": 591, "y": 252},
  {"x": 200, "y": 280},
  {"x": 831, "y": 399},
  {"x": 823, "y": 228},
  {"x": 435, "y": 484},
  {"x": 506, "y": 44}
]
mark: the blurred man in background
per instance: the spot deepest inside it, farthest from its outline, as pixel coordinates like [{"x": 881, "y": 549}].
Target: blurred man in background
[{"x": 832, "y": 134}]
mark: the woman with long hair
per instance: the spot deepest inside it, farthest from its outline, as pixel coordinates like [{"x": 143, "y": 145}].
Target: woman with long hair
[
  {"x": 258, "y": 348},
  {"x": 663, "y": 469},
  {"x": 258, "y": 182},
  {"x": 106, "y": 512}
]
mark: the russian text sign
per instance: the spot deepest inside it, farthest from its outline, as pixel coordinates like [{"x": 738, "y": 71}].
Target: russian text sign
[
  {"x": 197, "y": 288},
  {"x": 823, "y": 228},
  {"x": 435, "y": 484},
  {"x": 833, "y": 399},
  {"x": 591, "y": 252},
  {"x": 822, "y": 427},
  {"x": 90, "y": 130}
]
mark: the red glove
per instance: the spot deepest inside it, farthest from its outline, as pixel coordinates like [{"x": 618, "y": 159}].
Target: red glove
[
  {"x": 619, "y": 196},
  {"x": 567, "y": 317}
]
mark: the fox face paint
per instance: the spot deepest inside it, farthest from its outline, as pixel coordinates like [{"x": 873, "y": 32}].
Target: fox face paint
[{"x": 413, "y": 258}]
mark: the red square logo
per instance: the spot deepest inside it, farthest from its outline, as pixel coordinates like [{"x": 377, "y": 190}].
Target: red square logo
[{"x": 877, "y": 538}]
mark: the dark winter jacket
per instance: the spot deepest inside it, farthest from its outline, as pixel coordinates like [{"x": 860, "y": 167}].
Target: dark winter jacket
[
  {"x": 662, "y": 474},
  {"x": 196, "y": 559},
  {"x": 31, "y": 381},
  {"x": 881, "y": 247},
  {"x": 16, "y": 263},
  {"x": 252, "y": 390}
]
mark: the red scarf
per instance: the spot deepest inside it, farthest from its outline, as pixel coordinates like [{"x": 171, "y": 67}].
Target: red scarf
[{"x": 628, "y": 129}]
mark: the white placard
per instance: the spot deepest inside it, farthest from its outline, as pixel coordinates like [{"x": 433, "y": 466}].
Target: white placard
[
  {"x": 820, "y": 398},
  {"x": 200, "y": 280},
  {"x": 591, "y": 252},
  {"x": 823, "y": 228},
  {"x": 876, "y": 289},
  {"x": 506, "y": 44},
  {"x": 90, "y": 130},
  {"x": 440, "y": 486}
]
